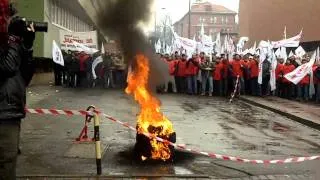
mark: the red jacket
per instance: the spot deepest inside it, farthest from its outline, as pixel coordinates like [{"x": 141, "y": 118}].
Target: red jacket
[
  {"x": 236, "y": 68},
  {"x": 254, "y": 69},
  {"x": 191, "y": 68},
  {"x": 305, "y": 80},
  {"x": 172, "y": 66},
  {"x": 225, "y": 63},
  {"x": 217, "y": 73},
  {"x": 83, "y": 58},
  {"x": 287, "y": 69},
  {"x": 182, "y": 66},
  {"x": 279, "y": 71}
]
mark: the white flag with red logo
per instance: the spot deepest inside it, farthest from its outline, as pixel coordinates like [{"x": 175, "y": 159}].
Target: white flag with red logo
[
  {"x": 300, "y": 72},
  {"x": 57, "y": 56},
  {"x": 291, "y": 42}
]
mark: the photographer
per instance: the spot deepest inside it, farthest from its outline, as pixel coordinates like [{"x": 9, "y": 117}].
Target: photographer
[{"x": 16, "y": 71}]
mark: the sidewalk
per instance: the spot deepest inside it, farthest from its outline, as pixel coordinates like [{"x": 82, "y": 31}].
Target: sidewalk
[
  {"x": 307, "y": 114},
  {"x": 128, "y": 177}
]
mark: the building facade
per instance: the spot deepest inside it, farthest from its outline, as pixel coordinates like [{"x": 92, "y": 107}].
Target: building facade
[
  {"x": 215, "y": 19},
  {"x": 266, "y": 20},
  {"x": 65, "y": 15}
]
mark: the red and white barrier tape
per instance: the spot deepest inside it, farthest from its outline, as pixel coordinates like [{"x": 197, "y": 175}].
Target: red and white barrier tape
[
  {"x": 181, "y": 147},
  {"x": 235, "y": 89}
]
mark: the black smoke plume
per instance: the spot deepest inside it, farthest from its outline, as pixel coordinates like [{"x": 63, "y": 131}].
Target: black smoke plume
[{"x": 119, "y": 19}]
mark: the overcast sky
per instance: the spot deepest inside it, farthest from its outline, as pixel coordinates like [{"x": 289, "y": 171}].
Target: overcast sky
[{"x": 178, "y": 8}]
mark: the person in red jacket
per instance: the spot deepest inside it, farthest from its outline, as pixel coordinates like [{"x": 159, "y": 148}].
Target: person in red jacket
[
  {"x": 218, "y": 76},
  {"x": 192, "y": 69},
  {"x": 279, "y": 77},
  {"x": 180, "y": 73},
  {"x": 171, "y": 68},
  {"x": 288, "y": 89},
  {"x": 237, "y": 66},
  {"x": 254, "y": 73},
  {"x": 303, "y": 86}
]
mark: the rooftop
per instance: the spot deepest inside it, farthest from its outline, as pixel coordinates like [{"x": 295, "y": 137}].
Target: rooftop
[{"x": 209, "y": 7}]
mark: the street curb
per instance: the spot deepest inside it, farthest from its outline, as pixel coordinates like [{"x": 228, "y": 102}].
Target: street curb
[
  {"x": 298, "y": 119},
  {"x": 30, "y": 177}
]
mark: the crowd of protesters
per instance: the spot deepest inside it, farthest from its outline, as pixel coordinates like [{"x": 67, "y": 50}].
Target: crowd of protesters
[
  {"x": 217, "y": 75},
  {"x": 199, "y": 75},
  {"x": 81, "y": 70}
]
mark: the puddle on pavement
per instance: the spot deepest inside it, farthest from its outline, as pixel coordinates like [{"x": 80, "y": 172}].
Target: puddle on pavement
[
  {"x": 127, "y": 158},
  {"x": 190, "y": 107}
]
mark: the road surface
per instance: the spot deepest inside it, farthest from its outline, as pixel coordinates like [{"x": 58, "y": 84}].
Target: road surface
[{"x": 202, "y": 123}]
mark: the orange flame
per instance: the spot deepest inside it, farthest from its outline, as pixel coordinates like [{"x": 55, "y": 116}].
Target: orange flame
[{"x": 149, "y": 108}]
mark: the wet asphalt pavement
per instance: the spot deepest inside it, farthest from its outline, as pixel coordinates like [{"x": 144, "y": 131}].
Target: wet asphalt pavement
[{"x": 202, "y": 123}]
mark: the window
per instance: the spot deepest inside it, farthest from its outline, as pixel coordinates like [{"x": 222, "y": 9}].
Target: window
[
  {"x": 215, "y": 20},
  {"x": 211, "y": 20},
  {"x": 200, "y": 19},
  {"x": 222, "y": 20},
  {"x": 227, "y": 20}
]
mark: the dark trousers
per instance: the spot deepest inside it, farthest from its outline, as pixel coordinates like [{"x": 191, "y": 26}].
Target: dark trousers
[
  {"x": 303, "y": 91},
  {"x": 225, "y": 86},
  {"x": 218, "y": 86},
  {"x": 255, "y": 87},
  {"x": 9, "y": 144},
  {"x": 265, "y": 85},
  {"x": 192, "y": 84},
  {"x": 288, "y": 90},
  {"x": 181, "y": 84}
]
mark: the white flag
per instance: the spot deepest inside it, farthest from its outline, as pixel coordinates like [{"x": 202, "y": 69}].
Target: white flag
[
  {"x": 318, "y": 56},
  {"x": 300, "y": 52},
  {"x": 283, "y": 53},
  {"x": 300, "y": 72},
  {"x": 291, "y": 42},
  {"x": 57, "y": 54},
  {"x": 273, "y": 72},
  {"x": 218, "y": 44},
  {"x": 103, "y": 51},
  {"x": 94, "y": 65},
  {"x": 278, "y": 52},
  {"x": 291, "y": 54}
]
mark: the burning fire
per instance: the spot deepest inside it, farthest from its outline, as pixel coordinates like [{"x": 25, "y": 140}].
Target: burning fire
[{"x": 150, "y": 119}]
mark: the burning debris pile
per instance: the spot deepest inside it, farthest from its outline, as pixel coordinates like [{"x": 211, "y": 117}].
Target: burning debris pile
[
  {"x": 119, "y": 19},
  {"x": 150, "y": 119}
]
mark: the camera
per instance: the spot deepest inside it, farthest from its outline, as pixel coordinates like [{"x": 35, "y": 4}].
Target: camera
[{"x": 38, "y": 26}]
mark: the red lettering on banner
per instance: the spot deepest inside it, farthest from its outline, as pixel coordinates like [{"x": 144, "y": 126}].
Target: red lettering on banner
[{"x": 89, "y": 41}]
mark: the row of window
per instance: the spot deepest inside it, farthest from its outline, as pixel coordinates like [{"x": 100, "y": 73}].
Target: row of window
[
  {"x": 63, "y": 17},
  {"x": 214, "y": 19}
]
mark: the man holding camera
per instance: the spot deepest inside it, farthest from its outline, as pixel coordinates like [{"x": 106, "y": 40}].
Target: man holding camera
[{"x": 16, "y": 71}]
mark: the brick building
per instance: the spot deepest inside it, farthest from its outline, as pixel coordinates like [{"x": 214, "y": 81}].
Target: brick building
[
  {"x": 215, "y": 18},
  {"x": 265, "y": 20}
]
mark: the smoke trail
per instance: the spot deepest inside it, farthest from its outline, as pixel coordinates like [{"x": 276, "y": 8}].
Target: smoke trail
[{"x": 119, "y": 19}]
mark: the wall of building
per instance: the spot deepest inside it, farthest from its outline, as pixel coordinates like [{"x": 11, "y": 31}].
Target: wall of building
[
  {"x": 58, "y": 18},
  {"x": 261, "y": 19}
]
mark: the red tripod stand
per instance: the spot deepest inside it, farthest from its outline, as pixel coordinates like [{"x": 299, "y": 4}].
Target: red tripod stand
[{"x": 83, "y": 137}]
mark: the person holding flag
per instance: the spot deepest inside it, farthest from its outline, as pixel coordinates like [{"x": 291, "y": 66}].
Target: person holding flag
[{"x": 303, "y": 85}]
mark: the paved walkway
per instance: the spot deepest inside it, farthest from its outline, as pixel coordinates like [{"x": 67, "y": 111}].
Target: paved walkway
[
  {"x": 262, "y": 177},
  {"x": 305, "y": 113}
]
